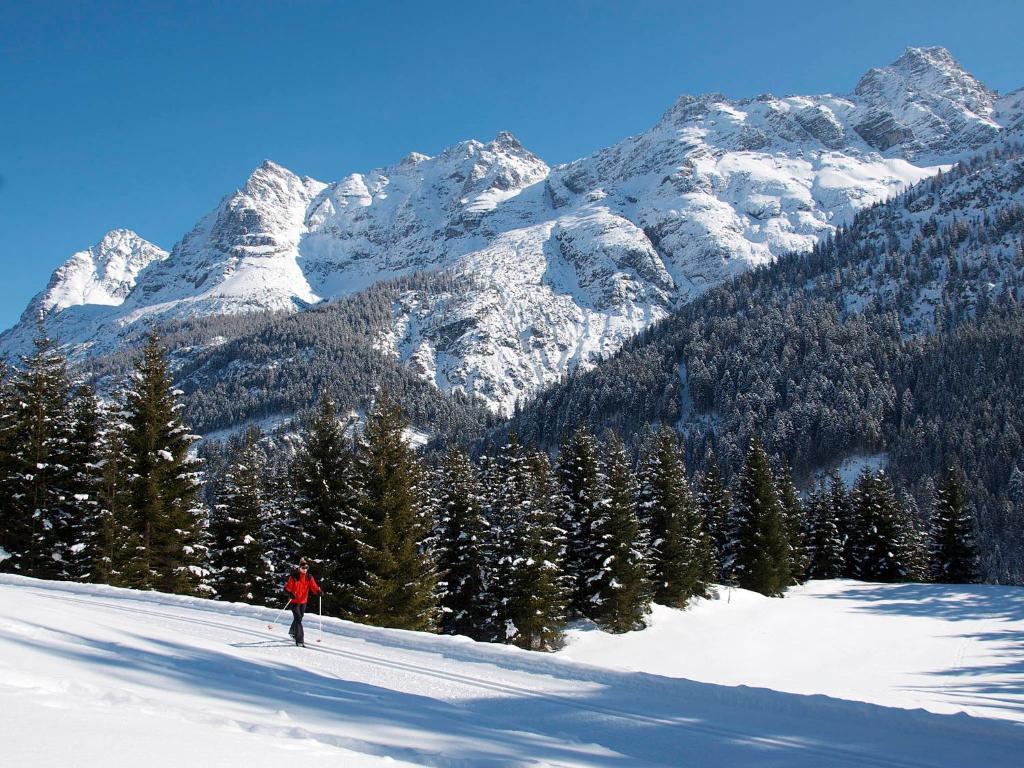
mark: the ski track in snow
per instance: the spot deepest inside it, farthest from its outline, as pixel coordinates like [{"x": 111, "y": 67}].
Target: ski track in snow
[{"x": 155, "y": 665}]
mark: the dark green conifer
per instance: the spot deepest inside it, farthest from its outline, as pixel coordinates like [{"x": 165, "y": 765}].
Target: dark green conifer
[
  {"x": 953, "y": 552},
  {"x": 239, "y": 557},
  {"x": 796, "y": 525},
  {"x": 762, "y": 547},
  {"x": 579, "y": 474},
  {"x": 462, "y": 541},
  {"x": 682, "y": 557},
  {"x": 37, "y": 530},
  {"x": 324, "y": 524},
  {"x": 163, "y": 482},
  {"x": 825, "y": 545},
  {"x": 398, "y": 589}
]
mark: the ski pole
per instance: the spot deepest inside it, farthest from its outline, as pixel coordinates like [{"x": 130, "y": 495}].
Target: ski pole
[
  {"x": 280, "y": 613},
  {"x": 320, "y": 610}
]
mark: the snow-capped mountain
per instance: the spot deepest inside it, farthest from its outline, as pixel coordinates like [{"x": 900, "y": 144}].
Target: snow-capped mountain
[{"x": 566, "y": 263}]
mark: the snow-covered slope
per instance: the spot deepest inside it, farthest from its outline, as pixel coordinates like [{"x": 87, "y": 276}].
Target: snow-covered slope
[
  {"x": 94, "y": 676},
  {"x": 567, "y": 262},
  {"x": 940, "y": 647}
]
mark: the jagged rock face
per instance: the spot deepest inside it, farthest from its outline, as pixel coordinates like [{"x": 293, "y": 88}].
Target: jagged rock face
[
  {"x": 925, "y": 105},
  {"x": 566, "y": 263}
]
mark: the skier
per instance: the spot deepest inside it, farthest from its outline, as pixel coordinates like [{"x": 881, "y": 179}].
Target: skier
[{"x": 299, "y": 585}]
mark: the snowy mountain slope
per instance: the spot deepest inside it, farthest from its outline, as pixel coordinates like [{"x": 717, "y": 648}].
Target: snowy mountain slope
[
  {"x": 568, "y": 262},
  {"x": 202, "y": 682}
]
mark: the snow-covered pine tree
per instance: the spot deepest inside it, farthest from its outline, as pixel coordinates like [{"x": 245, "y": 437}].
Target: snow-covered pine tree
[
  {"x": 38, "y": 528},
  {"x": 527, "y": 588},
  {"x": 796, "y": 525},
  {"x": 681, "y": 554},
  {"x": 543, "y": 545},
  {"x": 13, "y": 526},
  {"x": 324, "y": 524},
  {"x": 120, "y": 557},
  {"x": 399, "y": 586},
  {"x": 762, "y": 548},
  {"x": 582, "y": 482},
  {"x": 461, "y": 547},
  {"x": 886, "y": 536},
  {"x": 240, "y": 567},
  {"x": 85, "y": 477},
  {"x": 715, "y": 506},
  {"x": 825, "y": 544},
  {"x": 918, "y": 541},
  {"x": 953, "y": 552},
  {"x": 844, "y": 514},
  {"x": 619, "y": 587},
  {"x": 164, "y": 480}
]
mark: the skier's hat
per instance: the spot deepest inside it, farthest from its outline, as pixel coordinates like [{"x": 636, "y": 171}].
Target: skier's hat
[{"x": 302, "y": 562}]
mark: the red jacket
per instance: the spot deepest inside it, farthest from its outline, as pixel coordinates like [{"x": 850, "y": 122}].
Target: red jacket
[{"x": 299, "y": 587}]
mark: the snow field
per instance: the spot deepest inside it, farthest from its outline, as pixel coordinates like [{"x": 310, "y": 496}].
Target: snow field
[{"x": 93, "y": 675}]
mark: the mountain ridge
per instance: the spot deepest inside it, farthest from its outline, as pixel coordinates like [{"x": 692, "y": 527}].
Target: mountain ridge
[{"x": 569, "y": 261}]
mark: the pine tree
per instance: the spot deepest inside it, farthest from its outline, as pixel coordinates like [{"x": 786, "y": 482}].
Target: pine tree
[
  {"x": 398, "y": 589},
  {"x": 85, "y": 478},
  {"x": 120, "y": 558},
  {"x": 619, "y": 587},
  {"x": 715, "y": 505},
  {"x": 953, "y": 552},
  {"x": 239, "y": 558},
  {"x": 825, "y": 544},
  {"x": 581, "y": 480},
  {"x": 849, "y": 530},
  {"x": 886, "y": 536},
  {"x": 462, "y": 555},
  {"x": 37, "y": 529},
  {"x": 682, "y": 557},
  {"x": 163, "y": 482},
  {"x": 12, "y": 523},
  {"x": 324, "y": 526},
  {"x": 796, "y": 525},
  {"x": 762, "y": 549},
  {"x": 527, "y": 589}
]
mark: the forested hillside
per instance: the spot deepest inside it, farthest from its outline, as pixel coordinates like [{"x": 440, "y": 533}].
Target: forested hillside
[{"x": 902, "y": 334}]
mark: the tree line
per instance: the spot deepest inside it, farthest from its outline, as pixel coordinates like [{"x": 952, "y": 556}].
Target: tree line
[{"x": 507, "y": 547}]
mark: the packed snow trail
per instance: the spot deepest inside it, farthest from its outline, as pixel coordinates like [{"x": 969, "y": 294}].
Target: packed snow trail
[{"x": 93, "y": 675}]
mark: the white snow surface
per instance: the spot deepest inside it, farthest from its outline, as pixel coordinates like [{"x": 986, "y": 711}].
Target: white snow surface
[
  {"x": 568, "y": 262},
  {"x": 97, "y": 676}
]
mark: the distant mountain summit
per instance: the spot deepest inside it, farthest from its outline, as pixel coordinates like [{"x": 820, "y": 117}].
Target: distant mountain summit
[{"x": 558, "y": 266}]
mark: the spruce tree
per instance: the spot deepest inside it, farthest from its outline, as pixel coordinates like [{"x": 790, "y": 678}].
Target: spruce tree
[
  {"x": 619, "y": 588},
  {"x": 37, "y": 530},
  {"x": 462, "y": 540},
  {"x": 120, "y": 558},
  {"x": 762, "y": 548},
  {"x": 528, "y": 592},
  {"x": 825, "y": 544},
  {"x": 715, "y": 505},
  {"x": 239, "y": 560},
  {"x": 849, "y": 531},
  {"x": 324, "y": 525},
  {"x": 163, "y": 481},
  {"x": 10, "y": 520},
  {"x": 398, "y": 589},
  {"x": 796, "y": 525},
  {"x": 85, "y": 478},
  {"x": 886, "y": 535},
  {"x": 682, "y": 557},
  {"x": 953, "y": 552},
  {"x": 582, "y": 482}
]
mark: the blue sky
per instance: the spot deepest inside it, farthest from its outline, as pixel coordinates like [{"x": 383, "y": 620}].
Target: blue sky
[{"x": 144, "y": 115}]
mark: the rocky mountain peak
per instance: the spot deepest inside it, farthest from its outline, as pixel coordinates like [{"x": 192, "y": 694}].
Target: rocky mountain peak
[{"x": 102, "y": 274}]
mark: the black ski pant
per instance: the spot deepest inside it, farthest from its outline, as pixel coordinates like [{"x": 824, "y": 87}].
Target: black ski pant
[{"x": 298, "y": 609}]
